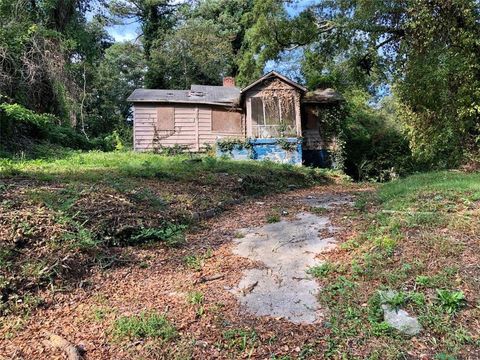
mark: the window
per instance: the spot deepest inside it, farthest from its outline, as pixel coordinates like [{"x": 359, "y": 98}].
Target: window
[
  {"x": 226, "y": 121},
  {"x": 273, "y": 116},
  {"x": 165, "y": 118}
]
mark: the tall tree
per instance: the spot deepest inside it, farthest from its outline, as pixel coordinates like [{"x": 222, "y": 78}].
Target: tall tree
[
  {"x": 156, "y": 18},
  {"x": 121, "y": 71}
]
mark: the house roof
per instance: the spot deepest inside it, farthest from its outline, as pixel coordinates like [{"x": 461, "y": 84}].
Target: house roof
[
  {"x": 204, "y": 94},
  {"x": 322, "y": 96},
  {"x": 198, "y": 94},
  {"x": 272, "y": 74}
]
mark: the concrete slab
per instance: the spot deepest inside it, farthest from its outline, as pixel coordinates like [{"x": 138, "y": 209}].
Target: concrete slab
[{"x": 286, "y": 249}]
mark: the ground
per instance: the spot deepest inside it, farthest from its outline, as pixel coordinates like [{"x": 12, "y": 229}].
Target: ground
[{"x": 174, "y": 289}]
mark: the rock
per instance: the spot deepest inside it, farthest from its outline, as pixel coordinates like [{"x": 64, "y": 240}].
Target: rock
[
  {"x": 399, "y": 319},
  {"x": 201, "y": 343}
]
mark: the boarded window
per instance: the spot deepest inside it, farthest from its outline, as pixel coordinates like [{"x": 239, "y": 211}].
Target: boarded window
[
  {"x": 311, "y": 122},
  {"x": 166, "y": 118},
  {"x": 225, "y": 121}
]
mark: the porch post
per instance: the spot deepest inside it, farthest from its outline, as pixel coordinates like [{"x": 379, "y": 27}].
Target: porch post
[
  {"x": 298, "y": 115},
  {"x": 248, "y": 118}
]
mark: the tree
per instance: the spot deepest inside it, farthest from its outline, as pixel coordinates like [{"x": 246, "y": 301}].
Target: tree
[
  {"x": 428, "y": 50},
  {"x": 157, "y": 18},
  {"x": 193, "y": 53},
  {"x": 121, "y": 71}
]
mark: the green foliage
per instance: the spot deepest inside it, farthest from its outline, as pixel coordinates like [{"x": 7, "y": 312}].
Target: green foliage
[
  {"x": 195, "y": 298},
  {"x": 39, "y": 135},
  {"x": 287, "y": 145},
  {"x": 171, "y": 235},
  {"x": 228, "y": 144},
  {"x": 450, "y": 300},
  {"x": 240, "y": 339},
  {"x": 144, "y": 326},
  {"x": 375, "y": 148},
  {"x": 273, "y": 218},
  {"x": 428, "y": 53},
  {"x": 321, "y": 270}
]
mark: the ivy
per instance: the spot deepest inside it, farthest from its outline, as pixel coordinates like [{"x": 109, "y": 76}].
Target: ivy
[
  {"x": 286, "y": 145},
  {"x": 227, "y": 145}
]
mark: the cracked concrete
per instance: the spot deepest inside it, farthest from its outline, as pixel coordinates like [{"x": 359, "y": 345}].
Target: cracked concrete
[{"x": 282, "y": 289}]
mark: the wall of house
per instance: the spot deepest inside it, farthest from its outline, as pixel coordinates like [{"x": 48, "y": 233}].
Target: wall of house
[
  {"x": 191, "y": 126},
  {"x": 284, "y": 151}
]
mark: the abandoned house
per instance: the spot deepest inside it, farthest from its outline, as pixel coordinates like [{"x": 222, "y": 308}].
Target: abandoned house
[{"x": 278, "y": 118}]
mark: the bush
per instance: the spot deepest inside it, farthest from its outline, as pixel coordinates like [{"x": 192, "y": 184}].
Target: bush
[
  {"x": 375, "y": 146},
  {"x": 39, "y": 135}
]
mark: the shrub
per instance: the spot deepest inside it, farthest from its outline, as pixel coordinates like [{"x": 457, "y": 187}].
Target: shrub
[
  {"x": 39, "y": 135},
  {"x": 375, "y": 146}
]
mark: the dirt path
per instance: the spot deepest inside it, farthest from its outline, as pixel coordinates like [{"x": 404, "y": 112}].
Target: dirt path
[{"x": 256, "y": 299}]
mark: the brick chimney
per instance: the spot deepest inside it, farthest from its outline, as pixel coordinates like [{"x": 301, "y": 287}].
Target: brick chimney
[{"x": 229, "y": 81}]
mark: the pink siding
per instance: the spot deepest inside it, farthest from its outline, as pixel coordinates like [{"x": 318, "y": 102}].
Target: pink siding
[{"x": 188, "y": 131}]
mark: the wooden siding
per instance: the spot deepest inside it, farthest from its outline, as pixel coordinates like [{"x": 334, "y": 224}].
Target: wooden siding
[{"x": 193, "y": 127}]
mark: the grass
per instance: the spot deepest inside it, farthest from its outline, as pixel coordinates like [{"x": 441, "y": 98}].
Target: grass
[
  {"x": 416, "y": 237},
  {"x": 94, "y": 166},
  {"x": 144, "y": 326}
]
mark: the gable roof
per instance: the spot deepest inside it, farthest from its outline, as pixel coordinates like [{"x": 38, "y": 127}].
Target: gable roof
[
  {"x": 198, "y": 94},
  {"x": 272, "y": 74}
]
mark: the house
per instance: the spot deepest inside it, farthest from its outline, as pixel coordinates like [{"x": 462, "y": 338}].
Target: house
[{"x": 274, "y": 113}]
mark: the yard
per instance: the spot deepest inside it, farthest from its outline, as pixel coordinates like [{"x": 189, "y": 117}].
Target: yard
[{"x": 132, "y": 256}]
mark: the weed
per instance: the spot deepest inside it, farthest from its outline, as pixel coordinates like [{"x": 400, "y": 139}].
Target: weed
[
  {"x": 171, "y": 235},
  {"x": 193, "y": 262},
  {"x": 144, "y": 326},
  {"x": 361, "y": 203},
  {"x": 273, "y": 218},
  {"x": 321, "y": 270},
  {"x": 451, "y": 301},
  {"x": 195, "y": 298},
  {"x": 196, "y": 262},
  {"x": 386, "y": 244},
  {"x": 423, "y": 280},
  {"x": 319, "y": 210},
  {"x": 100, "y": 313},
  {"x": 380, "y": 328},
  {"x": 443, "y": 356},
  {"x": 240, "y": 339},
  {"x": 238, "y": 235}
]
